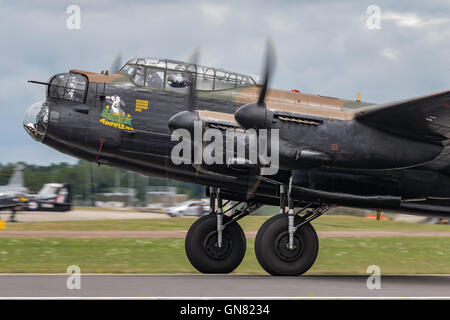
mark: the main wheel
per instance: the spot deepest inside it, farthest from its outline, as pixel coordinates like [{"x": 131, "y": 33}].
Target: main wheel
[
  {"x": 272, "y": 247},
  {"x": 202, "y": 249}
]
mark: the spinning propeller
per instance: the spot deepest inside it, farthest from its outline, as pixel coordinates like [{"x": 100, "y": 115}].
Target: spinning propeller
[
  {"x": 254, "y": 115},
  {"x": 185, "y": 119},
  {"x": 116, "y": 64}
]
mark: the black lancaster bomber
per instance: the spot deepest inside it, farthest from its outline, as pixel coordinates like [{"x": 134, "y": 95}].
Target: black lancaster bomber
[{"x": 312, "y": 152}]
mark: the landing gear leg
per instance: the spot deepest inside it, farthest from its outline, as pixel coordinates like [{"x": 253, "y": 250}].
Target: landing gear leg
[
  {"x": 282, "y": 198},
  {"x": 212, "y": 200},
  {"x": 289, "y": 251},
  {"x": 12, "y": 218},
  {"x": 214, "y": 195},
  {"x": 291, "y": 217},
  {"x": 219, "y": 221}
]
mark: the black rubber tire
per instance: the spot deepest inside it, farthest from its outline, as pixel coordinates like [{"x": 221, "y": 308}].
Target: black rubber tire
[
  {"x": 273, "y": 259},
  {"x": 198, "y": 248}
]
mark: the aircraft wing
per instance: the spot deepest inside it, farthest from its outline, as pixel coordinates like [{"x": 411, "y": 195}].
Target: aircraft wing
[
  {"x": 9, "y": 206},
  {"x": 425, "y": 118}
]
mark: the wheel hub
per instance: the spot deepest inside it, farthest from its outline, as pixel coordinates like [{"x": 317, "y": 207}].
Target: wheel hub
[
  {"x": 282, "y": 247},
  {"x": 212, "y": 249}
]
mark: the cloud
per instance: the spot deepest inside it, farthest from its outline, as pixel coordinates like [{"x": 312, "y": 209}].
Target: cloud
[
  {"x": 412, "y": 20},
  {"x": 281, "y": 24},
  {"x": 390, "y": 53},
  {"x": 215, "y": 14}
]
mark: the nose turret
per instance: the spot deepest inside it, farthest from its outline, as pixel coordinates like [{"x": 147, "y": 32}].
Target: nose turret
[{"x": 35, "y": 121}]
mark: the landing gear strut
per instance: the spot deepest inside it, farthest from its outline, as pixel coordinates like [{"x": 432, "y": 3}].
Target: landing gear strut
[
  {"x": 12, "y": 218},
  {"x": 289, "y": 249},
  {"x": 216, "y": 243}
]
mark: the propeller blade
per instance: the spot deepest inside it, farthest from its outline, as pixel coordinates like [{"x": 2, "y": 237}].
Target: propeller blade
[
  {"x": 116, "y": 64},
  {"x": 269, "y": 65},
  {"x": 185, "y": 119},
  {"x": 255, "y": 115},
  {"x": 191, "y": 100}
]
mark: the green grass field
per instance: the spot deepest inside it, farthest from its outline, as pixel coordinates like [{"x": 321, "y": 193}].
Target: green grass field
[
  {"x": 395, "y": 255},
  {"x": 336, "y": 256},
  {"x": 251, "y": 223}
]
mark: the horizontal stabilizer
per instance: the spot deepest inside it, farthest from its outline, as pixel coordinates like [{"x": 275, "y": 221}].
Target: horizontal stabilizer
[{"x": 425, "y": 118}]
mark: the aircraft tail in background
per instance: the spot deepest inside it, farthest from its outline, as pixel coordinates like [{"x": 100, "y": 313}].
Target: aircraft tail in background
[{"x": 16, "y": 179}]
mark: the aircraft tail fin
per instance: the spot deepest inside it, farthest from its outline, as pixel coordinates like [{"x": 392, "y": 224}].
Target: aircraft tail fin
[
  {"x": 16, "y": 179},
  {"x": 64, "y": 194}
]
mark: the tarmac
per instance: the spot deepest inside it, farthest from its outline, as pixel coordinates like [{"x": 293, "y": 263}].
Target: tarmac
[{"x": 222, "y": 286}]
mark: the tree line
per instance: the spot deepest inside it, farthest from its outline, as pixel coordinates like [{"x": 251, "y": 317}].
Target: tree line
[{"x": 87, "y": 178}]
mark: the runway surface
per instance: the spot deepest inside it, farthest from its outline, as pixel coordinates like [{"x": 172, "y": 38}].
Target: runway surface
[{"x": 203, "y": 286}]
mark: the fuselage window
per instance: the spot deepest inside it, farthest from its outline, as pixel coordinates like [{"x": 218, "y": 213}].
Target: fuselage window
[
  {"x": 68, "y": 86},
  {"x": 154, "y": 78}
]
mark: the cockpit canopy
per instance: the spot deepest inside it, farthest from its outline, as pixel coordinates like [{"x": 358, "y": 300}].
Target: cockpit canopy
[
  {"x": 171, "y": 75},
  {"x": 68, "y": 86}
]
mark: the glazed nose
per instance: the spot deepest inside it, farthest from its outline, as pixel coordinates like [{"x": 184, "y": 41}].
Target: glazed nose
[{"x": 35, "y": 121}]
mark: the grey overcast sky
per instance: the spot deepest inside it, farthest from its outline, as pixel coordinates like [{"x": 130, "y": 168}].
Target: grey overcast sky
[{"x": 323, "y": 47}]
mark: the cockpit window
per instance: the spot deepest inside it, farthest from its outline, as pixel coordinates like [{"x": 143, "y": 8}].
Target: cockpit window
[
  {"x": 68, "y": 86},
  {"x": 177, "y": 80},
  {"x": 224, "y": 81},
  {"x": 179, "y": 76},
  {"x": 136, "y": 74},
  {"x": 205, "y": 79},
  {"x": 154, "y": 78},
  {"x": 174, "y": 76}
]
